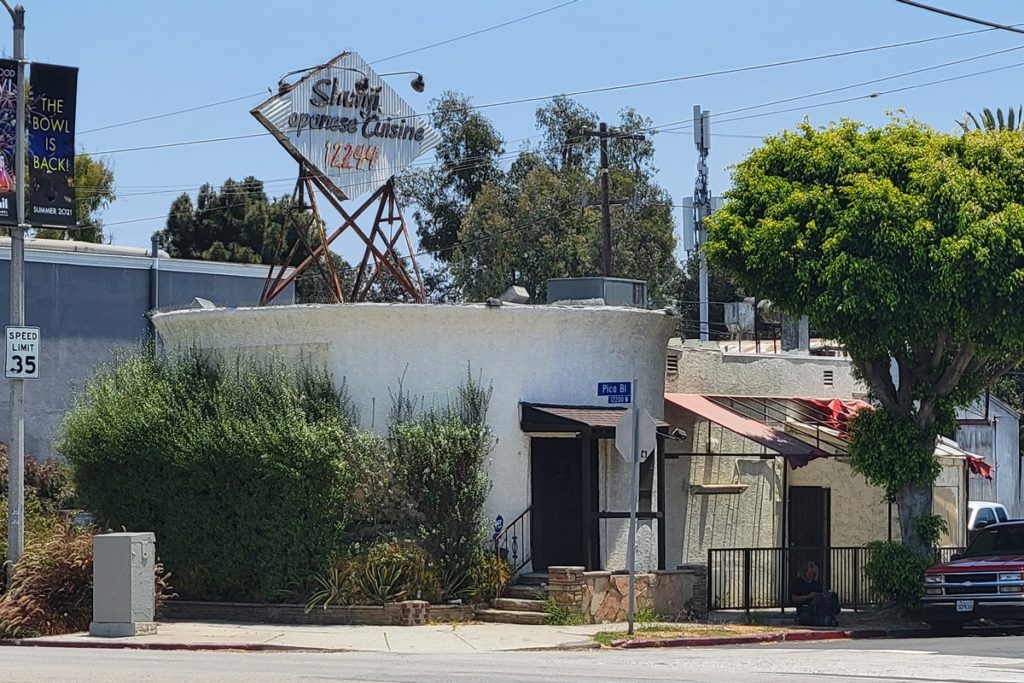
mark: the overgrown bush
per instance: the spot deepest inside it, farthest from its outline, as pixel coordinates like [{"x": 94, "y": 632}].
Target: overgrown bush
[
  {"x": 51, "y": 589},
  {"x": 249, "y": 474},
  {"x": 490, "y": 576},
  {"x": 440, "y": 458},
  {"x": 48, "y": 480},
  {"x": 896, "y": 573}
]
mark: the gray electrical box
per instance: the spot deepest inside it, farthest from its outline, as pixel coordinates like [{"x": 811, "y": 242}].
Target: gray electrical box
[
  {"x": 124, "y": 585},
  {"x": 613, "y": 291}
]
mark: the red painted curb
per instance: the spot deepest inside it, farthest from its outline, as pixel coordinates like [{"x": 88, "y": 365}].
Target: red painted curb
[
  {"x": 798, "y": 636},
  {"x": 101, "y": 645}
]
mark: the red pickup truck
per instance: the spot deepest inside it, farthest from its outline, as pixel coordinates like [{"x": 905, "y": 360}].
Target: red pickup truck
[{"x": 986, "y": 581}]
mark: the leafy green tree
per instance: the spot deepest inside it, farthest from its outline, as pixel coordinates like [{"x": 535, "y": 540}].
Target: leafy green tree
[
  {"x": 905, "y": 244},
  {"x": 239, "y": 223},
  {"x": 94, "y": 183},
  {"x": 468, "y": 159},
  {"x": 542, "y": 218},
  {"x": 990, "y": 122}
]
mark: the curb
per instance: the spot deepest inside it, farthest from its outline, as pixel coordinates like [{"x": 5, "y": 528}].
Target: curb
[
  {"x": 798, "y": 636},
  {"x": 192, "y": 647}
]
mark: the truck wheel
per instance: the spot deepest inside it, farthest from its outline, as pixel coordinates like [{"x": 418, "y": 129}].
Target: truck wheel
[{"x": 946, "y": 628}]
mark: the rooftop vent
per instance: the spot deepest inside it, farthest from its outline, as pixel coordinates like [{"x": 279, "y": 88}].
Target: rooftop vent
[
  {"x": 613, "y": 291},
  {"x": 672, "y": 365}
]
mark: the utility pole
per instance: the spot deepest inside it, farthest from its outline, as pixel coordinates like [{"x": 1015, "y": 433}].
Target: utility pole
[
  {"x": 604, "y": 133},
  {"x": 16, "y": 452},
  {"x": 702, "y": 207}
]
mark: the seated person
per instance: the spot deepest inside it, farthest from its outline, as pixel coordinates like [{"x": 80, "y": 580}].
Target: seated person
[{"x": 814, "y": 607}]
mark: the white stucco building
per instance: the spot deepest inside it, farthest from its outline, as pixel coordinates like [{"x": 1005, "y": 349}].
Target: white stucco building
[{"x": 554, "y": 454}]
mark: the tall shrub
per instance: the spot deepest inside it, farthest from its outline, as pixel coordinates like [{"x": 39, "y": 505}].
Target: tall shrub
[
  {"x": 440, "y": 458},
  {"x": 246, "y": 471}
]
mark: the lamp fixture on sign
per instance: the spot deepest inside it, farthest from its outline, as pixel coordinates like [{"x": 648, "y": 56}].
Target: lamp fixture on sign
[{"x": 362, "y": 85}]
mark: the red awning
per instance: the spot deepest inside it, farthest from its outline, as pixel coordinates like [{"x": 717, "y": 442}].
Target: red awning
[
  {"x": 796, "y": 452},
  {"x": 836, "y": 412},
  {"x": 979, "y": 466}
]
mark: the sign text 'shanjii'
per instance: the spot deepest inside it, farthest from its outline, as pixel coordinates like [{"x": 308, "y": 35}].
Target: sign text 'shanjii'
[{"x": 354, "y": 138}]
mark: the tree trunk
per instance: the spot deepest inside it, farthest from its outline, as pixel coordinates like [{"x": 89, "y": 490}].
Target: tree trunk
[{"x": 913, "y": 503}]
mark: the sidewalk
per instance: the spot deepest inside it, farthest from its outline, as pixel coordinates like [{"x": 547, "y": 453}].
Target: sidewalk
[{"x": 434, "y": 639}]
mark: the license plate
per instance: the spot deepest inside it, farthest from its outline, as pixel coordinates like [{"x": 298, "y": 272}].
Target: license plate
[{"x": 965, "y": 605}]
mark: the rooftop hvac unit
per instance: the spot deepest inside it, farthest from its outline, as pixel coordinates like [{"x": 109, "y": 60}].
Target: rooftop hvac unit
[{"x": 613, "y": 291}]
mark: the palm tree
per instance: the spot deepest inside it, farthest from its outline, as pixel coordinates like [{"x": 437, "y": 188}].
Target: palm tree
[{"x": 993, "y": 123}]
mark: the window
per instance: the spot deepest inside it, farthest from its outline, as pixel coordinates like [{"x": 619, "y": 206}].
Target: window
[
  {"x": 998, "y": 541},
  {"x": 646, "y": 498},
  {"x": 1001, "y": 513},
  {"x": 827, "y": 377},
  {"x": 984, "y": 516}
]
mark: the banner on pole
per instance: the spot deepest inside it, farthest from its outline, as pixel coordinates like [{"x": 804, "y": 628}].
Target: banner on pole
[
  {"x": 51, "y": 145},
  {"x": 8, "y": 137}
]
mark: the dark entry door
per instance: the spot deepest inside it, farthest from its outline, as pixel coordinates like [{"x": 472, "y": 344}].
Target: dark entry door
[
  {"x": 558, "y": 515},
  {"x": 809, "y": 532}
]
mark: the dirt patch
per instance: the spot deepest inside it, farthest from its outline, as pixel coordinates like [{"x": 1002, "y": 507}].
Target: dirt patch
[{"x": 665, "y": 631}]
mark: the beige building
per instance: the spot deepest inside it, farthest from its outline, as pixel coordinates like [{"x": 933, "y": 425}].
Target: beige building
[{"x": 764, "y": 467}]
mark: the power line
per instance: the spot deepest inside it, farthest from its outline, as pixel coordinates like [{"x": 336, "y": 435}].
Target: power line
[
  {"x": 590, "y": 91},
  {"x": 473, "y": 33},
  {"x": 172, "y": 113},
  {"x": 751, "y": 116},
  {"x": 974, "y": 20},
  {"x": 668, "y": 128},
  {"x": 855, "y": 98},
  {"x": 376, "y": 61}
]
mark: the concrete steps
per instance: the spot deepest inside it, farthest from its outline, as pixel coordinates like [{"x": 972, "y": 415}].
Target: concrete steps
[
  {"x": 522, "y": 603},
  {"x": 502, "y": 616},
  {"x": 520, "y": 592},
  {"x": 519, "y": 605},
  {"x": 532, "y": 579}
]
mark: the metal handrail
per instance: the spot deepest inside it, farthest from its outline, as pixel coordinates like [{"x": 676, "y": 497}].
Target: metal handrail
[{"x": 512, "y": 543}]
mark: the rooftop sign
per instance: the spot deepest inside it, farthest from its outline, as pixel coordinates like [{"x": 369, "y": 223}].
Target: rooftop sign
[{"x": 355, "y": 138}]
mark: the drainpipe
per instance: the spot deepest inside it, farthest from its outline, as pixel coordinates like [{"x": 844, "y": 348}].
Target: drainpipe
[{"x": 154, "y": 275}]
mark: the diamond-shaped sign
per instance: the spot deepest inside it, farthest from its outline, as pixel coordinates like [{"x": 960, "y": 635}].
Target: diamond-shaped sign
[{"x": 356, "y": 138}]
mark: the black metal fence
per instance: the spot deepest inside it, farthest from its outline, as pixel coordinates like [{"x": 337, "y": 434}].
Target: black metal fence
[{"x": 753, "y": 578}]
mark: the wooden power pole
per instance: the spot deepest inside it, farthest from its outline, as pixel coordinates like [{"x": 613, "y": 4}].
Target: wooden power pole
[{"x": 604, "y": 133}]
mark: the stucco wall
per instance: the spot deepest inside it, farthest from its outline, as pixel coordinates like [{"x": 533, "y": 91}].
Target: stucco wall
[
  {"x": 704, "y": 370},
  {"x": 699, "y": 521},
  {"x": 859, "y": 511},
  {"x": 542, "y": 354}
]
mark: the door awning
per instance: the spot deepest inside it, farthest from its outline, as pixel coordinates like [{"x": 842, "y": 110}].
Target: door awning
[
  {"x": 541, "y": 417},
  {"x": 796, "y": 452}
]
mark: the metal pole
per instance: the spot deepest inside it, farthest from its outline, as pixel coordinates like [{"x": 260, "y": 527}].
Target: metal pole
[
  {"x": 634, "y": 494},
  {"x": 16, "y": 452},
  {"x": 702, "y": 208},
  {"x": 606, "y": 210}
]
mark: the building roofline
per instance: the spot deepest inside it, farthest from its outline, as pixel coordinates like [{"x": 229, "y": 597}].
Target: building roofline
[{"x": 108, "y": 256}]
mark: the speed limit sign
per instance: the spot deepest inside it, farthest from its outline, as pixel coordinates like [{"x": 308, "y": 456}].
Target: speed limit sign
[{"x": 22, "y": 357}]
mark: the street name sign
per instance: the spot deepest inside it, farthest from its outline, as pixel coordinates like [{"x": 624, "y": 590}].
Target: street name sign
[{"x": 617, "y": 392}]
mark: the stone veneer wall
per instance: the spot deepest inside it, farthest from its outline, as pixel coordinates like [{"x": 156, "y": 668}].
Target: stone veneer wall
[{"x": 678, "y": 595}]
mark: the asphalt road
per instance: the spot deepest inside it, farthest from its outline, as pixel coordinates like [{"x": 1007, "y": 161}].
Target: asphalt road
[{"x": 956, "y": 660}]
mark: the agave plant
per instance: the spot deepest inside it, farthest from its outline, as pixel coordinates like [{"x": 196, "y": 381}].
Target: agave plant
[
  {"x": 990, "y": 122},
  {"x": 332, "y": 590}
]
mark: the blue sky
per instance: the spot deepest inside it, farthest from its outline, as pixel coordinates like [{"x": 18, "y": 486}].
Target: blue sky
[{"x": 138, "y": 59}]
